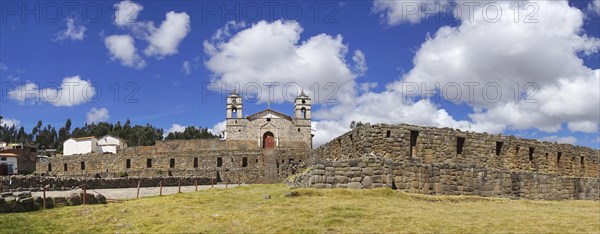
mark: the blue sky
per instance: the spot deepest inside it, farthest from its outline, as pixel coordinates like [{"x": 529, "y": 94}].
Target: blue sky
[{"x": 371, "y": 51}]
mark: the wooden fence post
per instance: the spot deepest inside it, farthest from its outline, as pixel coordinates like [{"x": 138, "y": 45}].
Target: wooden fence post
[
  {"x": 138, "y": 189},
  {"x": 161, "y": 185},
  {"x": 84, "y": 193}
]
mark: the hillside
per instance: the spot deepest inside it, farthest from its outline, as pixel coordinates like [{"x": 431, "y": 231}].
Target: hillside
[{"x": 245, "y": 209}]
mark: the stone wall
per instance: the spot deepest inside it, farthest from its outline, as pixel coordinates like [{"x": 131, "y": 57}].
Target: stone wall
[
  {"x": 452, "y": 162},
  {"x": 444, "y": 179},
  {"x": 222, "y": 160},
  {"x": 441, "y": 145}
]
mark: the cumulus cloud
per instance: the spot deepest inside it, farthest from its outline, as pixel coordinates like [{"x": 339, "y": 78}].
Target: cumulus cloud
[
  {"x": 174, "y": 128},
  {"x": 403, "y": 11},
  {"x": 126, "y": 12},
  {"x": 360, "y": 63},
  {"x": 96, "y": 115},
  {"x": 583, "y": 126},
  {"x": 161, "y": 41},
  {"x": 165, "y": 39},
  {"x": 72, "y": 32},
  {"x": 513, "y": 58},
  {"x": 218, "y": 128},
  {"x": 566, "y": 140},
  {"x": 122, "y": 48},
  {"x": 186, "y": 68},
  {"x": 9, "y": 122},
  {"x": 3, "y": 67},
  {"x": 272, "y": 52},
  {"x": 72, "y": 91}
]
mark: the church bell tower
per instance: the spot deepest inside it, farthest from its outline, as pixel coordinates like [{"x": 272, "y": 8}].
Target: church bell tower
[
  {"x": 302, "y": 106},
  {"x": 234, "y": 105}
]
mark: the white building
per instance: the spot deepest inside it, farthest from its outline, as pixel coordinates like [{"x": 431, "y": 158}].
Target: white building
[
  {"x": 110, "y": 144},
  {"x": 8, "y": 164},
  {"x": 2, "y": 144},
  {"x": 83, "y": 145},
  {"x": 87, "y": 145}
]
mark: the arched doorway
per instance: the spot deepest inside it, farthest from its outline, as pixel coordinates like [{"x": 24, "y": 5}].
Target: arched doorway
[{"x": 268, "y": 140}]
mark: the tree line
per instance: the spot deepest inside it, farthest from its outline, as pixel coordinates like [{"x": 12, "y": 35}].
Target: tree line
[{"x": 47, "y": 137}]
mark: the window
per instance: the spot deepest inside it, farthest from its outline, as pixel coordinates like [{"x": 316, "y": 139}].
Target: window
[
  {"x": 499, "y": 147},
  {"x": 268, "y": 119},
  {"x": 257, "y": 160},
  {"x": 558, "y": 157},
  {"x": 413, "y": 141},
  {"x": 244, "y": 162},
  {"x": 517, "y": 150},
  {"x": 291, "y": 160},
  {"x": 82, "y": 165},
  {"x": 172, "y": 163},
  {"x": 149, "y": 163},
  {"x": 298, "y": 129},
  {"x": 3, "y": 159},
  {"x": 460, "y": 142},
  {"x": 195, "y": 162},
  {"x": 282, "y": 160},
  {"x": 388, "y": 133},
  {"x": 128, "y": 163},
  {"x": 219, "y": 162},
  {"x": 65, "y": 167},
  {"x": 581, "y": 161},
  {"x": 531, "y": 149},
  {"x": 49, "y": 167},
  {"x": 231, "y": 160}
]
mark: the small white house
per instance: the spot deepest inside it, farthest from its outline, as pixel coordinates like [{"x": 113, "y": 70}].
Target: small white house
[
  {"x": 83, "y": 145},
  {"x": 8, "y": 164},
  {"x": 110, "y": 144}
]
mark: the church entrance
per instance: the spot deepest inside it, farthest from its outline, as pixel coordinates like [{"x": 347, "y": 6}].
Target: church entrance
[{"x": 268, "y": 140}]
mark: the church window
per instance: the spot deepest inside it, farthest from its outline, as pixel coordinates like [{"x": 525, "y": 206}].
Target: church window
[
  {"x": 219, "y": 162},
  {"x": 460, "y": 142},
  {"x": 268, "y": 119},
  {"x": 244, "y": 162},
  {"x": 499, "y": 147}
]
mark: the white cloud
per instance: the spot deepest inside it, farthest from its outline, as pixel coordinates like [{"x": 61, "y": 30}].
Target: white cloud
[
  {"x": 403, "y": 11},
  {"x": 218, "y": 128},
  {"x": 126, "y": 12},
  {"x": 174, "y": 128},
  {"x": 566, "y": 140},
  {"x": 72, "y": 32},
  {"x": 186, "y": 68},
  {"x": 272, "y": 52},
  {"x": 360, "y": 63},
  {"x": 10, "y": 122},
  {"x": 165, "y": 39},
  {"x": 594, "y": 6},
  {"x": 583, "y": 126},
  {"x": 72, "y": 91},
  {"x": 122, "y": 48},
  {"x": 3, "y": 67},
  {"x": 505, "y": 53},
  {"x": 96, "y": 115}
]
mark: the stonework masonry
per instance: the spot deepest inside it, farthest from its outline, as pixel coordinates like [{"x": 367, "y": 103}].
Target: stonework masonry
[
  {"x": 446, "y": 161},
  {"x": 222, "y": 160}
]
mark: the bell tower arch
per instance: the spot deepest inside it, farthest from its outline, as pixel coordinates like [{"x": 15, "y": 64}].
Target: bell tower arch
[{"x": 234, "y": 105}]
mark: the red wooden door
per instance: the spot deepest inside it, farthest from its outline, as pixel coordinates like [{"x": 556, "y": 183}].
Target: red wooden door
[{"x": 268, "y": 141}]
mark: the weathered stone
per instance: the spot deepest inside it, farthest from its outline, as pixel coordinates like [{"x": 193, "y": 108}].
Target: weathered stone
[
  {"x": 354, "y": 185},
  {"x": 100, "y": 198},
  {"x": 367, "y": 183},
  {"x": 74, "y": 199},
  {"x": 266, "y": 196}
]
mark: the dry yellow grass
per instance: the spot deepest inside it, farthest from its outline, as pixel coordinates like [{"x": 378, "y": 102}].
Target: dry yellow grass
[{"x": 243, "y": 210}]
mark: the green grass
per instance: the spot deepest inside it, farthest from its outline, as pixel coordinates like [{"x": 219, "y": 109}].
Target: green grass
[{"x": 243, "y": 210}]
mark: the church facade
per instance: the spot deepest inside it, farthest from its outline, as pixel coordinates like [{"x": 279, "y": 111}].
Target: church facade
[{"x": 270, "y": 129}]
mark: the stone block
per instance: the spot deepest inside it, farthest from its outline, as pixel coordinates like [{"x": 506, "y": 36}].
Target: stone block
[
  {"x": 74, "y": 199},
  {"x": 367, "y": 183},
  {"x": 367, "y": 171},
  {"x": 354, "y": 185}
]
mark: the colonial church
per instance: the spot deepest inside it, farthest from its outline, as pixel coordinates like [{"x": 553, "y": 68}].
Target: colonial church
[{"x": 270, "y": 129}]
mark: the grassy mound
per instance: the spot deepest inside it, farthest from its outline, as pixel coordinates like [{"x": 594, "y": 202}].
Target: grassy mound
[{"x": 244, "y": 210}]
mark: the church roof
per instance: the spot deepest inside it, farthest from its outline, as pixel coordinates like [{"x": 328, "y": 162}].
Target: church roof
[{"x": 257, "y": 115}]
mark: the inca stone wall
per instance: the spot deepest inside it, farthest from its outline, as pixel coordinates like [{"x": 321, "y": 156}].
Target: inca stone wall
[
  {"x": 222, "y": 160},
  {"x": 444, "y": 179},
  {"x": 445, "y": 161},
  {"x": 440, "y": 145}
]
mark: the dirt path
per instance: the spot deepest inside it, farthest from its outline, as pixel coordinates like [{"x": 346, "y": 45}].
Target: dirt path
[{"x": 130, "y": 193}]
